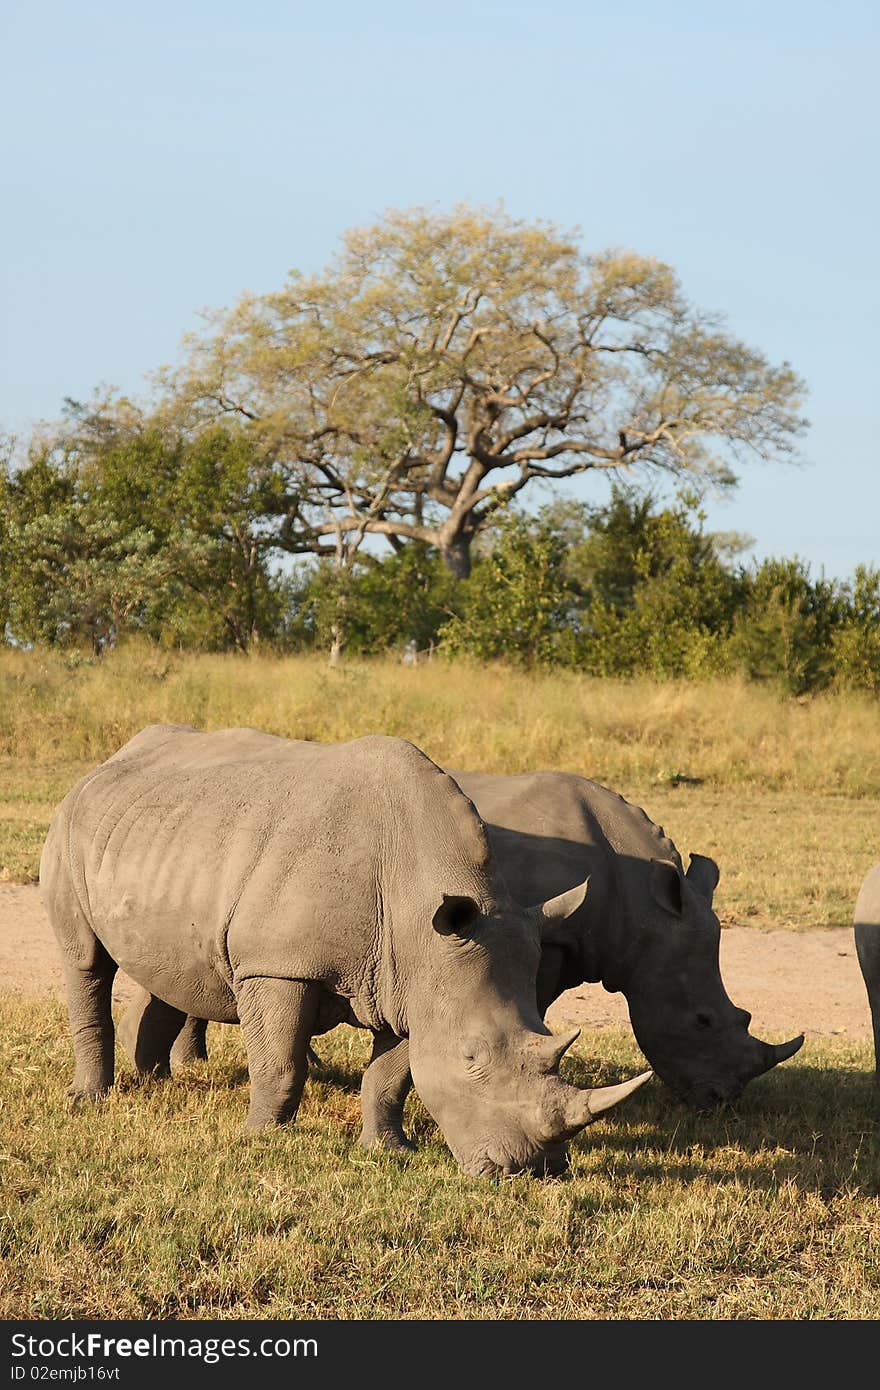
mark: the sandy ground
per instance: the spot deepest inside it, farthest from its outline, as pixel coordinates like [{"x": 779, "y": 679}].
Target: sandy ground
[{"x": 791, "y": 982}]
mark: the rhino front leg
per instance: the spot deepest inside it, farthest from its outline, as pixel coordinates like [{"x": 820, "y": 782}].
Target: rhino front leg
[
  {"x": 277, "y": 1018},
  {"x": 147, "y": 1030},
  {"x": 387, "y": 1083},
  {"x": 91, "y": 1024},
  {"x": 191, "y": 1045}
]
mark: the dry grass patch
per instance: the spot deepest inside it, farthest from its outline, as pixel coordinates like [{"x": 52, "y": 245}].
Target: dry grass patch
[
  {"x": 29, "y": 793},
  {"x": 784, "y": 793},
  {"x": 157, "y": 1203},
  {"x": 787, "y": 858}
]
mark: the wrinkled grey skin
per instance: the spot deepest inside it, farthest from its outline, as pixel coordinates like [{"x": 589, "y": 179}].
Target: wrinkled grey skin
[
  {"x": 292, "y": 886},
  {"x": 866, "y": 929},
  {"x": 645, "y": 928}
]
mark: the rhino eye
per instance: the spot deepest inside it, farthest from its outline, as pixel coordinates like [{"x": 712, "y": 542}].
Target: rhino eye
[
  {"x": 704, "y": 1020},
  {"x": 475, "y": 1053}
]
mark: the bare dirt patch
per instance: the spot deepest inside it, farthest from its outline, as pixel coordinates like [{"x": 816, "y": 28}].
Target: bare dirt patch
[{"x": 791, "y": 981}]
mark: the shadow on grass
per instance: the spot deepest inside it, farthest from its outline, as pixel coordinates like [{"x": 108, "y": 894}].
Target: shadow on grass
[
  {"x": 223, "y": 1075},
  {"x": 815, "y": 1126}
]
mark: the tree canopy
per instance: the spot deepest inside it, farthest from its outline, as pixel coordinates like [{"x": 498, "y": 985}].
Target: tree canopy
[{"x": 443, "y": 362}]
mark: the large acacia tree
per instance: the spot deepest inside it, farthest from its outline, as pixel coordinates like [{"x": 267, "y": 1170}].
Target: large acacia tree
[{"x": 443, "y": 362}]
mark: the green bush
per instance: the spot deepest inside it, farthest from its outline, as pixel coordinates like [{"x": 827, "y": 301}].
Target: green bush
[
  {"x": 518, "y": 603},
  {"x": 382, "y": 605},
  {"x": 784, "y": 629},
  {"x": 855, "y": 645},
  {"x": 656, "y": 597}
]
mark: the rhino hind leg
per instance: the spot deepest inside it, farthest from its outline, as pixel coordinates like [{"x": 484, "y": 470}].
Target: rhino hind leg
[
  {"x": 91, "y": 1024},
  {"x": 190, "y": 1045},
  {"x": 387, "y": 1083},
  {"x": 187, "y": 1048},
  {"x": 277, "y": 1019},
  {"x": 147, "y": 1031}
]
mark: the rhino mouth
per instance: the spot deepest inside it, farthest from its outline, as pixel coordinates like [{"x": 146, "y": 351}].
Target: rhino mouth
[
  {"x": 497, "y": 1161},
  {"x": 708, "y": 1090},
  {"x": 702, "y": 1093},
  {"x": 707, "y": 1097}
]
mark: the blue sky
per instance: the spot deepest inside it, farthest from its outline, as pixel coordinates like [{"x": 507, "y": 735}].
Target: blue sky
[{"x": 163, "y": 158}]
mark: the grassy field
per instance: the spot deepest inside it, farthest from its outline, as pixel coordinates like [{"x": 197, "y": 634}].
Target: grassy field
[
  {"x": 784, "y": 793},
  {"x": 157, "y": 1203}
]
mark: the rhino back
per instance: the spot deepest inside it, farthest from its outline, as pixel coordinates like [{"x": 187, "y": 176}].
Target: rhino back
[
  {"x": 198, "y": 858},
  {"x": 557, "y": 824},
  {"x": 551, "y": 830}
]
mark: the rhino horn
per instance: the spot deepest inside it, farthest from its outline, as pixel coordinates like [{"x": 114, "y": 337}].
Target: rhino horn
[
  {"x": 774, "y": 1053},
  {"x": 581, "y": 1108},
  {"x": 552, "y": 1050}
]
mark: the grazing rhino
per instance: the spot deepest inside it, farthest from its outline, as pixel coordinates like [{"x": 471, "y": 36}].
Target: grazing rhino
[
  {"x": 292, "y": 886},
  {"x": 645, "y": 928},
  {"x": 866, "y": 929}
]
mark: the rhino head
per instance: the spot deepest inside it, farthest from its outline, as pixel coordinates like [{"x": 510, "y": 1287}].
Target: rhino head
[
  {"x": 695, "y": 1038},
  {"x": 482, "y": 1060}
]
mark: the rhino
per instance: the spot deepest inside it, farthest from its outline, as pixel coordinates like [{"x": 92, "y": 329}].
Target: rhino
[
  {"x": 866, "y": 929},
  {"x": 292, "y": 886},
  {"x": 645, "y": 927}
]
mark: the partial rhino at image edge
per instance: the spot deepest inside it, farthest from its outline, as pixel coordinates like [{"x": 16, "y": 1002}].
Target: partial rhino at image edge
[{"x": 866, "y": 930}]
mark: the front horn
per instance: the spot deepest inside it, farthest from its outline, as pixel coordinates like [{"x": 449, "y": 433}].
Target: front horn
[
  {"x": 576, "y": 1109},
  {"x": 774, "y": 1053}
]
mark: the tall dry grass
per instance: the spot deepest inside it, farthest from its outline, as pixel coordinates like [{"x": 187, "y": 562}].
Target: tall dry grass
[{"x": 725, "y": 733}]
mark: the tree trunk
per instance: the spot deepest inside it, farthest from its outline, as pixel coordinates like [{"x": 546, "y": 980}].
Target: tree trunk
[
  {"x": 457, "y": 556},
  {"x": 337, "y": 628}
]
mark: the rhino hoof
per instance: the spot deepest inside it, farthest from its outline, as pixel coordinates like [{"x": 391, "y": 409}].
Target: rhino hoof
[
  {"x": 157, "y": 1073},
  {"x": 394, "y": 1143},
  {"x": 77, "y": 1098}
]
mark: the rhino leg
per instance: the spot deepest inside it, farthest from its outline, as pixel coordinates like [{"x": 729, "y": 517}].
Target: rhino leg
[
  {"x": 867, "y": 936},
  {"x": 91, "y": 1024},
  {"x": 183, "y": 1047},
  {"x": 277, "y": 1018},
  {"x": 387, "y": 1083},
  {"x": 147, "y": 1030},
  {"x": 190, "y": 1045}
]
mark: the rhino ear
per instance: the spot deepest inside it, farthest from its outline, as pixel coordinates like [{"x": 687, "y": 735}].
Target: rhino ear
[
  {"x": 703, "y": 874},
  {"x": 456, "y": 915},
  {"x": 554, "y": 916},
  {"x": 666, "y": 885}
]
